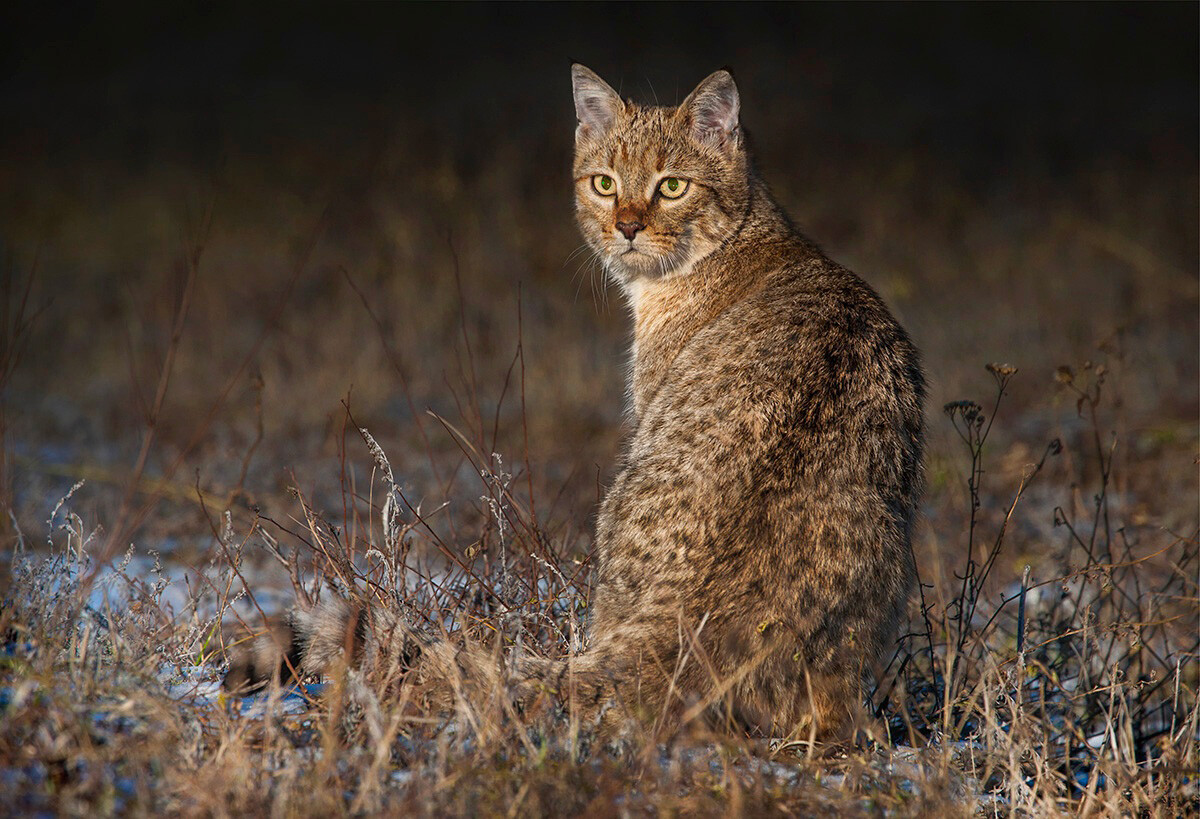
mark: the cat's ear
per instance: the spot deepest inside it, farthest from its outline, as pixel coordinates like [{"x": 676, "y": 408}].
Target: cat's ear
[
  {"x": 596, "y": 104},
  {"x": 712, "y": 109}
]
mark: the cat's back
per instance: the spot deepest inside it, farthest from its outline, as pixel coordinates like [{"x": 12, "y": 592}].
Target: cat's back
[
  {"x": 812, "y": 348},
  {"x": 778, "y": 465}
]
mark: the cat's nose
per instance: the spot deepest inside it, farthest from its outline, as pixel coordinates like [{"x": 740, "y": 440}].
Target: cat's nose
[{"x": 630, "y": 229}]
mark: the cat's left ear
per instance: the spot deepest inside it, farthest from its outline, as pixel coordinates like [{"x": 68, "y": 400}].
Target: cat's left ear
[{"x": 713, "y": 110}]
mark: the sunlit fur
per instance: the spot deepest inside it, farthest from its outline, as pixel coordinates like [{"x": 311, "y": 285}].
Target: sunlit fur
[{"x": 753, "y": 550}]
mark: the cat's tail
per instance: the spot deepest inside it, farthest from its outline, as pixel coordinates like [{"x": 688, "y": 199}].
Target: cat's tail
[
  {"x": 380, "y": 642},
  {"x": 314, "y": 641},
  {"x": 335, "y": 635}
]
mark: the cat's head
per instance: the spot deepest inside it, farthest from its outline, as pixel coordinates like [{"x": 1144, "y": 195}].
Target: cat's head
[{"x": 657, "y": 188}]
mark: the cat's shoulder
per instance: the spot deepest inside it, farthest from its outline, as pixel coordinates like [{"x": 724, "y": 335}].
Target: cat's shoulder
[{"x": 810, "y": 290}]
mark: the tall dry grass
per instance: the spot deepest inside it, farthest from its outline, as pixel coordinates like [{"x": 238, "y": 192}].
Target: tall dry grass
[
  {"x": 201, "y": 342},
  {"x": 1067, "y": 687}
]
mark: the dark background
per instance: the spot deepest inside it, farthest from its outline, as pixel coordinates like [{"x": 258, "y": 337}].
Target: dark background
[
  {"x": 1018, "y": 181},
  {"x": 982, "y": 81}
]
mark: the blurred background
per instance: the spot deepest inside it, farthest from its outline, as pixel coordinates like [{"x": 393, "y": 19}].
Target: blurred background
[{"x": 221, "y": 225}]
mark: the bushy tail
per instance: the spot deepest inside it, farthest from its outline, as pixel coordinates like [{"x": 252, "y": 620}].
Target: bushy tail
[
  {"x": 317, "y": 640},
  {"x": 377, "y": 641}
]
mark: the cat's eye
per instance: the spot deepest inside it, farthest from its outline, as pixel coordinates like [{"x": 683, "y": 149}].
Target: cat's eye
[
  {"x": 672, "y": 187},
  {"x": 604, "y": 185}
]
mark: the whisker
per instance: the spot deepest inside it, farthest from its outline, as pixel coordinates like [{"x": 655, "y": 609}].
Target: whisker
[
  {"x": 589, "y": 263},
  {"x": 573, "y": 253}
]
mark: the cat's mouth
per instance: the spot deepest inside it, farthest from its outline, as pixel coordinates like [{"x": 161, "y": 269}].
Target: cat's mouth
[
  {"x": 635, "y": 259},
  {"x": 632, "y": 252},
  {"x": 638, "y": 259}
]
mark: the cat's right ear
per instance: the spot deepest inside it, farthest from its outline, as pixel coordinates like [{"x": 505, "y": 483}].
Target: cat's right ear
[{"x": 596, "y": 104}]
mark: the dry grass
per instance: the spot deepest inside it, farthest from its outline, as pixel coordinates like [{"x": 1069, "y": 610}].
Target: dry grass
[
  {"x": 1069, "y": 688},
  {"x": 200, "y": 344}
]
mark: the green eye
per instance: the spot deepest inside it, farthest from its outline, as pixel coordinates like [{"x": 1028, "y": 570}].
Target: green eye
[
  {"x": 673, "y": 187},
  {"x": 604, "y": 185}
]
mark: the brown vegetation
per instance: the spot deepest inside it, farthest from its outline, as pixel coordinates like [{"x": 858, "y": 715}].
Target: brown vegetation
[{"x": 200, "y": 343}]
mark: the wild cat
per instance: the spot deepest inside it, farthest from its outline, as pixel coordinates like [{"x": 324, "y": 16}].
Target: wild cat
[{"x": 753, "y": 551}]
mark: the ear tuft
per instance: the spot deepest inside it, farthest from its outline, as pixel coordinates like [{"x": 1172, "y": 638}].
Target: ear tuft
[
  {"x": 596, "y": 103},
  {"x": 713, "y": 109}
]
